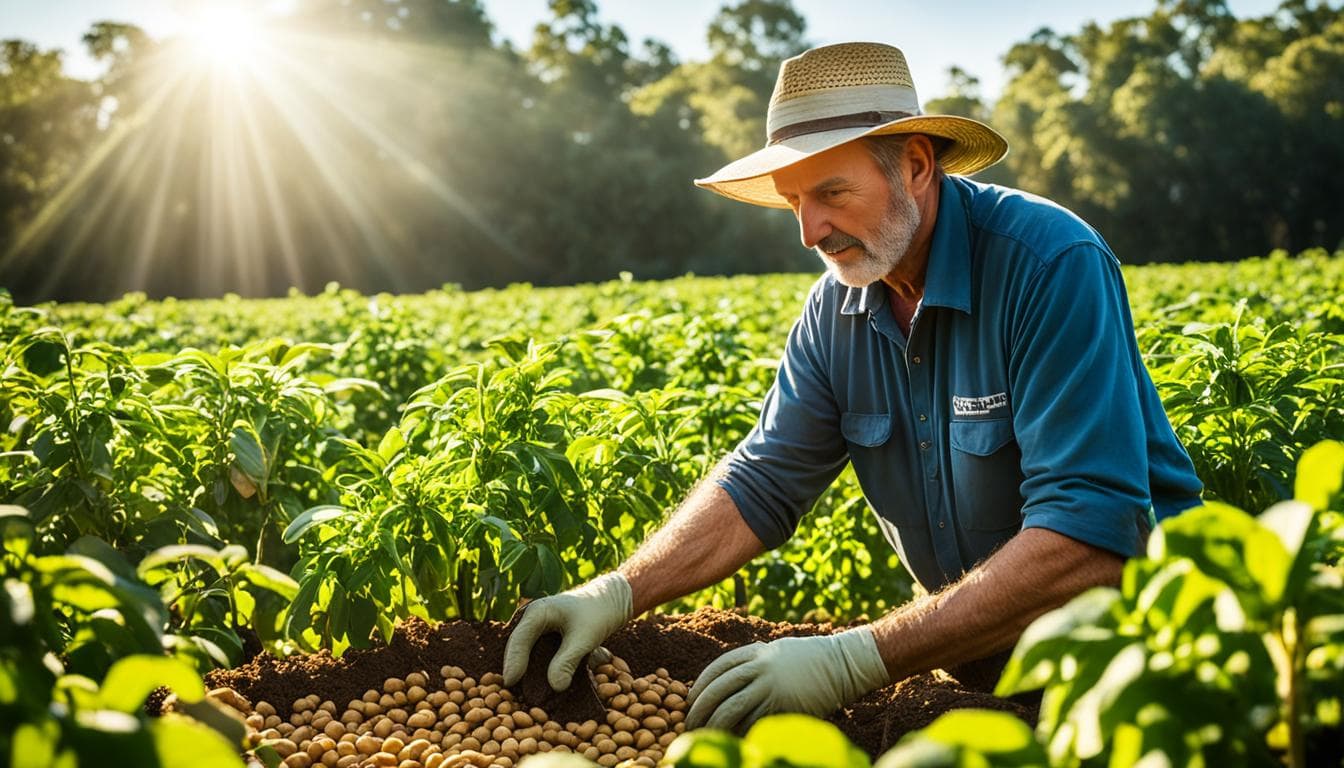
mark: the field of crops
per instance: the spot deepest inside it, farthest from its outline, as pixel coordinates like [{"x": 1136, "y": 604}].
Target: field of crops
[{"x": 342, "y": 479}]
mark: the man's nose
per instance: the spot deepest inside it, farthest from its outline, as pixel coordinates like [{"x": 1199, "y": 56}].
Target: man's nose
[{"x": 813, "y": 224}]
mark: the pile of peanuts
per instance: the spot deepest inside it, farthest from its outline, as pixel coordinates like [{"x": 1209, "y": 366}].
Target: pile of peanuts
[{"x": 456, "y": 720}]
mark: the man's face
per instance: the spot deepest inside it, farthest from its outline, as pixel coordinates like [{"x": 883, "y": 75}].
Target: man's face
[{"x": 849, "y": 214}]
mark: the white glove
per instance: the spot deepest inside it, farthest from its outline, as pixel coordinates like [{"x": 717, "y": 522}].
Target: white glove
[
  {"x": 811, "y": 675},
  {"x": 584, "y": 616}
]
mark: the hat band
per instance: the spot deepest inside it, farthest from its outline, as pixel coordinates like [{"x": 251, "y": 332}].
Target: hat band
[{"x": 855, "y": 120}]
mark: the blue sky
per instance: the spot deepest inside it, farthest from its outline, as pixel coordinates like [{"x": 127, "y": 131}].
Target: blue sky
[{"x": 973, "y": 34}]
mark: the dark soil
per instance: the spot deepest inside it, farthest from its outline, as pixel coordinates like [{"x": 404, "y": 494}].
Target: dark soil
[
  {"x": 683, "y": 645},
  {"x": 578, "y": 702}
]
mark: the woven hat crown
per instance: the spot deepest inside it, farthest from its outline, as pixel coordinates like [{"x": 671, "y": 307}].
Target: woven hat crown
[
  {"x": 867, "y": 82},
  {"x": 847, "y": 65}
]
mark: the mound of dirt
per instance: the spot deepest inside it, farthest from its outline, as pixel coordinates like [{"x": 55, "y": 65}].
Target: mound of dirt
[{"x": 682, "y": 645}]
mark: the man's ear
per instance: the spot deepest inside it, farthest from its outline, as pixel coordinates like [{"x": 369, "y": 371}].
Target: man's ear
[{"x": 920, "y": 163}]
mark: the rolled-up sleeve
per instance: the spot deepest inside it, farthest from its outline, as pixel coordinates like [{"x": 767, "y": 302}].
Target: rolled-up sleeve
[
  {"x": 1076, "y": 405},
  {"x": 795, "y": 450}
]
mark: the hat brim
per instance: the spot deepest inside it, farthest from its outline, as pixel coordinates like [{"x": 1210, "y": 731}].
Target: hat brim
[{"x": 975, "y": 146}]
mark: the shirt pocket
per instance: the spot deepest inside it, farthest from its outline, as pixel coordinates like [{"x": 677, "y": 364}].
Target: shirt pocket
[
  {"x": 866, "y": 430},
  {"x": 876, "y": 461},
  {"x": 986, "y": 474}
]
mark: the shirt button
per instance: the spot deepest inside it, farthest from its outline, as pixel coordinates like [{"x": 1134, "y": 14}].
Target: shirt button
[
  {"x": 917, "y": 360},
  {"x": 942, "y": 524},
  {"x": 922, "y": 417},
  {"x": 924, "y": 445}
]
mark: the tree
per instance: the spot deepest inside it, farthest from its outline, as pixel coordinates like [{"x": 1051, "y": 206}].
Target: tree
[
  {"x": 1187, "y": 133},
  {"x": 46, "y": 123}
]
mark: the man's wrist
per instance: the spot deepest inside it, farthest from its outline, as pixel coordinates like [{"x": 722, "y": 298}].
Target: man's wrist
[
  {"x": 863, "y": 664},
  {"x": 638, "y": 586},
  {"x": 614, "y": 589}
]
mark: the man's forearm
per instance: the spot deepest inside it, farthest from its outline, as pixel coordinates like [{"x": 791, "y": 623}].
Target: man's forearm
[
  {"x": 704, "y": 542},
  {"x": 987, "y": 610}
]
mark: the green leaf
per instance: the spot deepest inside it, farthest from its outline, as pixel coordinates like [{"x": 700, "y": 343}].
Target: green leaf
[
  {"x": 299, "y": 616},
  {"x": 342, "y": 387},
  {"x": 268, "y": 756},
  {"x": 915, "y": 752},
  {"x": 704, "y": 748},
  {"x": 1086, "y": 714},
  {"x": 10, "y": 511},
  {"x": 986, "y": 731},
  {"x": 197, "y": 520},
  {"x": 34, "y": 745},
  {"x": 800, "y": 740},
  {"x": 180, "y": 742},
  {"x": 130, "y": 681},
  {"x": 1290, "y": 521},
  {"x": 1297, "y": 525},
  {"x": 547, "y": 577},
  {"x": 363, "y": 616},
  {"x": 247, "y": 450},
  {"x": 338, "y": 612},
  {"x": 269, "y": 578},
  {"x": 16, "y": 529},
  {"x": 309, "y": 518},
  {"x": 176, "y": 553},
  {"x": 96, "y": 548},
  {"x": 517, "y": 558},
  {"x": 501, "y": 526},
  {"x": 208, "y": 361},
  {"x": 299, "y": 350},
  {"x": 45, "y": 357},
  {"x": 221, "y": 719},
  {"x": 1037, "y": 651},
  {"x": 612, "y": 395},
  {"x": 1231, "y": 546},
  {"x": 1320, "y": 474},
  {"x": 391, "y": 444}
]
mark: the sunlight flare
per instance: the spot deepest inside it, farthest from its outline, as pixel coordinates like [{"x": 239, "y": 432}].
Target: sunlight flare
[
  {"x": 225, "y": 35},
  {"x": 244, "y": 123}
]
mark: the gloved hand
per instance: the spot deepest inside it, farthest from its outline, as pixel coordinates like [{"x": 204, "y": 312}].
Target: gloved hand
[
  {"x": 584, "y": 616},
  {"x": 811, "y": 675}
]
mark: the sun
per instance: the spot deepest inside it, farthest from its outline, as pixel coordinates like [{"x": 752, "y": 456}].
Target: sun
[{"x": 224, "y": 35}]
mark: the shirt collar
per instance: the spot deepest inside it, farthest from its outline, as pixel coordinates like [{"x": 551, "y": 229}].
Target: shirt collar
[
  {"x": 948, "y": 281},
  {"x": 869, "y": 298}
]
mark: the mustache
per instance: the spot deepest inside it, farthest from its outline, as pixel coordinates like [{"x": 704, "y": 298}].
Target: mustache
[{"x": 838, "y": 241}]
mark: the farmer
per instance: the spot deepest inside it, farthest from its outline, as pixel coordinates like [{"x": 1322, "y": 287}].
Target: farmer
[{"x": 970, "y": 351}]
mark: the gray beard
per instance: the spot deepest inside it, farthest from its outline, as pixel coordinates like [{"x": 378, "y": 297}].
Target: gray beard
[{"x": 889, "y": 246}]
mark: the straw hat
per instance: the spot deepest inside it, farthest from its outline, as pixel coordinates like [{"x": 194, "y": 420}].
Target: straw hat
[{"x": 837, "y": 93}]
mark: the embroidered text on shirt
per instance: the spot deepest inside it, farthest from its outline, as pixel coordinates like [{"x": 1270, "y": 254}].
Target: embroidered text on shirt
[{"x": 978, "y": 406}]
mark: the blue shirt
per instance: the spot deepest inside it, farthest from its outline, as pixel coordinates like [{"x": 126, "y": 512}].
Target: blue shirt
[{"x": 1019, "y": 400}]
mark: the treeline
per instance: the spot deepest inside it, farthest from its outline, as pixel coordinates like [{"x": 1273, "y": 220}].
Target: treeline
[{"x": 398, "y": 146}]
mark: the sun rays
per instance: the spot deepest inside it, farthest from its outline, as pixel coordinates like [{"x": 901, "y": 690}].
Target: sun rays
[{"x": 243, "y": 124}]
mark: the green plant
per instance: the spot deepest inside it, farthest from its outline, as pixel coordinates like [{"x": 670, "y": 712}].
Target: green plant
[
  {"x": 80, "y": 651},
  {"x": 968, "y": 738},
  {"x": 213, "y": 594},
  {"x": 1220, "y": 648},
  {"x": 71, "y": 405},
  {"x": 1249, "y": 396},
  {"x": 250, "y": 429},
  {"x": 474, "y": 499}
]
